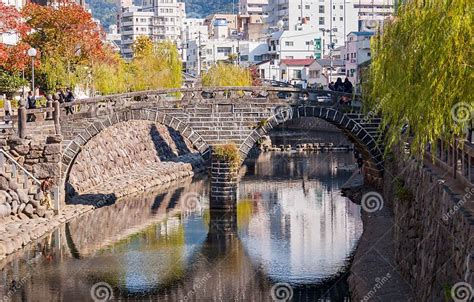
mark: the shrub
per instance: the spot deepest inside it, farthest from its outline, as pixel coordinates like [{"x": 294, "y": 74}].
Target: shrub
[{"x": 228, "y": 152}]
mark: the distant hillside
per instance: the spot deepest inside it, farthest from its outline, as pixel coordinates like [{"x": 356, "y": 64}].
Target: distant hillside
[
  {"x": 203, "y": 8},
  {"x": 104, "y": 10}
]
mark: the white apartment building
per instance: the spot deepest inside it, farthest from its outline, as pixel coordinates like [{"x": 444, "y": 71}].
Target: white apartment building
[
  {"x": 215, "y": 51},
  {"x": 334, "y": 18},
  {"x": 169, "y": 17},
  {"x": 135, "y": 23},
  {"x": 192, "y": 29},
  {"x": 253, "y": 7},
  {"x": 159, "y": 20},
  {"x": 356, "y": 52}
]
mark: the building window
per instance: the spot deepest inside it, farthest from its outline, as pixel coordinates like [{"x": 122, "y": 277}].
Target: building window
[
  {"x": 321, "y": 9},
  {"x": 314, "y": 74},
  {"x": 297, "y": 74},
  {"x": 307, "y": 7},
  {"x": 289, "y": 43},
  {"x": 321, "y": 20},
  {"x": 341, "y": 6},
  {"x": 368, "y": 54},
  {"x": 244, "y": 58},
  {"x": 341, "y": 18},
  {"x": 257, "y": 58},
  {"x": 309, "y": 42}
]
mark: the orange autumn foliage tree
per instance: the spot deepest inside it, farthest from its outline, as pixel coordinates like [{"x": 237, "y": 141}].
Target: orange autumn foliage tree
[
  {"x": 13, "y": 58},
  {"x": 67, "y": 38}
]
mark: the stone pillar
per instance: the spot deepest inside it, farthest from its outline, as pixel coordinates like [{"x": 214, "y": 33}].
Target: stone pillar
[
  {"x": 56, "y": 115},
  {"x": 223, "y": 184},
  {"x": 49, "y": 104},
  {"x": 22, "y": 119}
]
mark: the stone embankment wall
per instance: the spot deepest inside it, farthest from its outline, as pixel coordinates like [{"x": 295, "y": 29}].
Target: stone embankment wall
[
  {"x": 434, "y": 228},
  {"x": 127, "y": 152},
  {"x": 20, "y": 195}
]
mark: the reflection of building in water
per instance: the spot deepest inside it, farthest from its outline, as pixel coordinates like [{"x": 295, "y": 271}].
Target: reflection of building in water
[{"x": 306, "y": 231}]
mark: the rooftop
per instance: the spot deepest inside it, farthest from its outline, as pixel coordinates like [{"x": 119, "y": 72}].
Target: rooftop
[{"x": 297, "y": 62}]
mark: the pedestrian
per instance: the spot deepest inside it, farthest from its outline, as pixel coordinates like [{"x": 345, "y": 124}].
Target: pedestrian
[
  {"x": 347, "y": 86},
  {"x": 61, "y": 96},
  {"x": 69, "y": 99},
  {"x": 30, "y": 104},
  {"x": 339, "y": 86},
  {"x": 46, "y": 186},
  {"x": 331, "y": 86},
  {"x": 7, "y": 106}
]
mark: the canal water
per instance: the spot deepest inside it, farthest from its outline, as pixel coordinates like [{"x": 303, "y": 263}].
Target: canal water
[{"x": 292, "y": 235}]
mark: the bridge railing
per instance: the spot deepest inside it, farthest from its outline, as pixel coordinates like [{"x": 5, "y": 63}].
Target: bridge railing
[
  {"x": 96, "y": 106},
  {"x": 455, "y": 158}
]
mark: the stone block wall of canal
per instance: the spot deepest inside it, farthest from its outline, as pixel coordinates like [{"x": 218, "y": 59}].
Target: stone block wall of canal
[{"x": 434, "y": 227}]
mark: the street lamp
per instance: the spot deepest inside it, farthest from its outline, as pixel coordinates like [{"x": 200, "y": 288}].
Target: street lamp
[
  {"x": 331, "y": 48},
  {"x": 32, "y": 53}
]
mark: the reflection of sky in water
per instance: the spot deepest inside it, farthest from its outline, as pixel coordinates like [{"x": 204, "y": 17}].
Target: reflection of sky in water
[{"x": 300, "y": 232}]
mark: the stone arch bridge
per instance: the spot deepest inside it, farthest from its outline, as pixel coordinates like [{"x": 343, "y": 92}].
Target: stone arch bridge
[{"x": 206, "y": 117}]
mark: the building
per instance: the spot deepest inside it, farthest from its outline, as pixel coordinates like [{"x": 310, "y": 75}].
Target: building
[
  {"x": 356, "y": 52},
  {"x": 294, "y": 45},
  {"x": 334, "y": 18},
  {"x": 169, "y": 17},
  {"x": 253, "y": 7},
  {"x": 372, "y": 13},
  {"x": 193, "y": 29},
  {"x": 252, "y": 27},
  {"x": 137, "y": 23},
  {"x": 230, "y": 20},
  {"x": 113, "y": 38},
  {"x": 159, "y": 20}
]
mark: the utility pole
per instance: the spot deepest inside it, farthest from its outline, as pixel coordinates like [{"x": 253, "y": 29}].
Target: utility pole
[{"x": 199, "y": 55}]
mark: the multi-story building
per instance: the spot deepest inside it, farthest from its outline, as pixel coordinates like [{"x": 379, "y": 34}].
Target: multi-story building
[
  {"x": 356, "y": 52},
  {"x": 137, "y": 23},
  {"x": 334, "y": 18},
  {"x": 169, "y": 16},
  {"x": 159, "y": 20},
  {"x": 214, "y": 20},
  {"x": 192, "y": 30},
  {"x": 253, "y": 7}
]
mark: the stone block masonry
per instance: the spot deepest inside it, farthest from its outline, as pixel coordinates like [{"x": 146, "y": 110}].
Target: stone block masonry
[
  {"x": 224, "y": 177},
  {"x": 130, "y": 156},
  {"x": 434, "y": 228}
]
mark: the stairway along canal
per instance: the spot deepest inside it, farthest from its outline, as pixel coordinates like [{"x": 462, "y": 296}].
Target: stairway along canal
[{"x": 292, "y": 235}]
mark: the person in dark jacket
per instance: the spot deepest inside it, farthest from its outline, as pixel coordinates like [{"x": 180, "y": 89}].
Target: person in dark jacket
[
  {"x": 339, "y": 86},
  {"x": 69, "y": 98},
  {"x": 347, "y": 86},
  {"x": 30, "y": 104}
]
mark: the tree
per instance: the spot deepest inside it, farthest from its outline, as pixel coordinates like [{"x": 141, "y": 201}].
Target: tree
[
  {"x": 67, "y": 39},
  {"x": 421, "y": 71},
  {"x": 227, "y": 75},
  {"x": 13, "y": 58},
  {"x": 142, "y": 46}
]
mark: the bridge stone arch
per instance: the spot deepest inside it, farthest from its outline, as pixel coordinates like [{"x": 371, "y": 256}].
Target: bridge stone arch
[
  {"x": 356, "y": 126},
  {"x": 78, "y": 133}
]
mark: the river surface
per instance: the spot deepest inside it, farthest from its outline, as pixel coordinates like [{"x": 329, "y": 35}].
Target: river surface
[{"x": 293, "y": 234}]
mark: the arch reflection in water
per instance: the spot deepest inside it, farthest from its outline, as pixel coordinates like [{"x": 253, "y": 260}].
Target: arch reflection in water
[{"x": 294, "y": 229}]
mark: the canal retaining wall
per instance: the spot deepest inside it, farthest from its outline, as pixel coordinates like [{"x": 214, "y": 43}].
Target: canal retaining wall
[
  {"x": 433, "y": 228},
  {"x": 132, "y": 156}
]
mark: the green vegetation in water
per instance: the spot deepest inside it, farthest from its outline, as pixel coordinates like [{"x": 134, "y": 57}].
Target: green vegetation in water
[
  {"x": 228, "y": 153},
  {"x": 421, "y": 72}
]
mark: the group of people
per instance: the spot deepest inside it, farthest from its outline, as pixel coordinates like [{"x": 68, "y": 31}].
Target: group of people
[
  {"x": 61, "y": 96},
  {"x": 341, "y": 86}
]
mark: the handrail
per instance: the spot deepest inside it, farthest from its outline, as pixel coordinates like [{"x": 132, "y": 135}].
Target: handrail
[{"x": 20, "y": 166}]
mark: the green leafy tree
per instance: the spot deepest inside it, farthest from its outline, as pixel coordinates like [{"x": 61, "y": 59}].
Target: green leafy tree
[
  {"x": 227, "y": 75},
  {"x": 421, "y": 71}
]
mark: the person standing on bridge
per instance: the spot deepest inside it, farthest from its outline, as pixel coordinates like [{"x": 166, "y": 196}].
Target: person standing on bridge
[
  {"x": 7, "y": 106},
  {"x": 339, "y": 86},
  {"x": 69, "y": 99},
  {"x": 347, "y": 86},
  {"x": 30, "y": 104}
]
